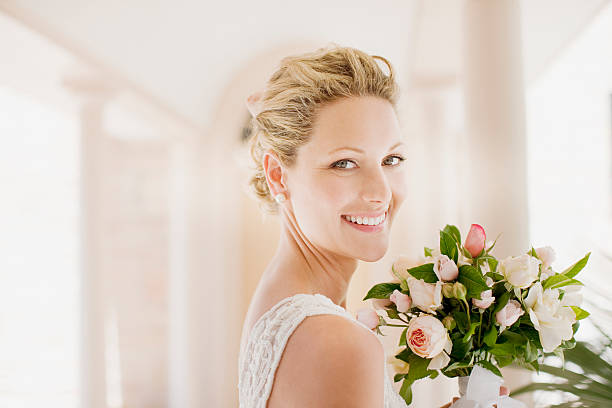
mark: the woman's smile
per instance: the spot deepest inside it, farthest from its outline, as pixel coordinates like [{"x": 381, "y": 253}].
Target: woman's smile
[{"x": 367, "y": 222}]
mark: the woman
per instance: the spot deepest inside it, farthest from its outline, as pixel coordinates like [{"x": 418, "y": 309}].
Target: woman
[{"x": 328, "y": 155}]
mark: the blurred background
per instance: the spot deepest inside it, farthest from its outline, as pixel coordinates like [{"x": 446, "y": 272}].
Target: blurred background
[{"x": 129, "y": 247}]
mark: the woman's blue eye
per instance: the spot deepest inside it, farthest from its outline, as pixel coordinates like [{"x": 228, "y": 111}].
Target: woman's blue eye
[
  {"x": 400, "y": 158},
  {"x": 342, "y": 161},
  {"x": 337, "y": 166}
]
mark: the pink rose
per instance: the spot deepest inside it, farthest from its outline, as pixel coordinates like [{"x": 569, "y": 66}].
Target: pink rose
[
  {"x": 509, "y": 314},
  {"x": 428, "y": 338},
  {"x": 475, "y": 240},
  {"x": 368, "y": 317},
  {"x": 380, "y": 304},
  {"x": 401, "y": 300},
  {"x": 486, "y": 297},
  {"x": 445, "y": 268}
]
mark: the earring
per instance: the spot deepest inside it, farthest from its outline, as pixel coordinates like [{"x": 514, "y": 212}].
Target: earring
[{"x": 280, "y": 197}]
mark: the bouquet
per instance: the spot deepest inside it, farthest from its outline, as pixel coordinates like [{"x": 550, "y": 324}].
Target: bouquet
[{"x": 466, "y": 314}]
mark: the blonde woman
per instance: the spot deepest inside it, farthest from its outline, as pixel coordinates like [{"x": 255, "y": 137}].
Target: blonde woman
[{"x": 328, "y": 159}]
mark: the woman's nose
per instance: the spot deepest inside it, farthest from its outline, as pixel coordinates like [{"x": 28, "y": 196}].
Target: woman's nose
[{"x": 375, "y": 187}]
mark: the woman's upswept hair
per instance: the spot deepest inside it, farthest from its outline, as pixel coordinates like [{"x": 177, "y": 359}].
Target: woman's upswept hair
[{"x": 300, "y": 86}]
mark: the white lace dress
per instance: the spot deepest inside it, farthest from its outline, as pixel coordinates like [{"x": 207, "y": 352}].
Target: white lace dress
[{"x": 258, "y": 361}]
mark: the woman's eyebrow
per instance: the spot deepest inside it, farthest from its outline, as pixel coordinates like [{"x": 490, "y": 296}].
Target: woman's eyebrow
[{"x": 361, "y": 151}]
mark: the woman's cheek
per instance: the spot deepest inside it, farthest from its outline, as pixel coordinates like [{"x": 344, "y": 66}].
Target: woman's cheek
[{"x": 399, "y": 186}]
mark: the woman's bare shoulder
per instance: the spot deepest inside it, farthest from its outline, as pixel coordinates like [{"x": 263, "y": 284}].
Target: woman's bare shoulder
[{"x": 336, "y": 361}]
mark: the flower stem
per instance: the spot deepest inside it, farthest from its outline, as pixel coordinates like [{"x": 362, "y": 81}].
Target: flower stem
[{"x": 479, "y": 330}]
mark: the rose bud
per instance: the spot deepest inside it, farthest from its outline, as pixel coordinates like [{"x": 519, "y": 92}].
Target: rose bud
[
  {"x": 449, "y": 322},
  {"x": 380, "y": 304},
  {"x": 368, "y": 317},
  {"x": 401, "y": 300},
  {"x": 459, "y": 290},
  {"x": 475, "y": 240}
]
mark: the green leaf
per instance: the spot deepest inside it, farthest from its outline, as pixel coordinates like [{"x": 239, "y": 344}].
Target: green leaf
[
  {"x": 514, "y": 338},
  {"x": 531, "y": 334},
  {"x": 473, "y": 281},
  {"x": 460, "y": 348},
  {"x": 568, "y": 344},
  {"x": 392, "y": 313},
  {"x": 571, "y": 271},
  {"x": 456, "y": 365},
  {"x": 382, "y": 291},
  {"x": 462, "y": 321},
  {"x": 493, "y": 266},
  {"x": 558, "y": 281},
  {"x": 531, "y": 352},
  {"x": 490, "y": 366},
  {"x": 490, "y": 336},
  {"x": 503, "y": 361},
  {"x": 399, "y": 376},
  {"x": 404, "y": 355},
  {"x": 448, "y": 246},
  {"x": 580, "y": 313},
  {"x": 465, "y": 252},
  {"x": 406, "y": 391},
  {"x": 503, "y": 301},
  {"x": 470, "y": 332},
  {"x": 503, "y": 349},
  {"x": 402, "y": 340},
  {"x": 418, "y": 368},
  {"x": 453, "y": 232},
  {"x": 491, "y": 248},
  {"x": 424, "y": 272},
  {"x": 559, "y": 353}
]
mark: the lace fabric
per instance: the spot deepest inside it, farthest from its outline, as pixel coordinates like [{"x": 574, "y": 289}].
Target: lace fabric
[{"x": 258, "y": 361}]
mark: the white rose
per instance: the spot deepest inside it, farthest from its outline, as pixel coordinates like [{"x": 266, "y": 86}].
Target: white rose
[
  {"x": 552, "y": 320},
  {"x": 572, "y": 297},
  {"x": 520, "y": 271},
  {"x": 425, "y": 296},
  {"x": 401, "y": 264},
  {"x": 445, "y": 268},
  {"x": 547, "y": 256},
  {"x": 428, "y": 338}
]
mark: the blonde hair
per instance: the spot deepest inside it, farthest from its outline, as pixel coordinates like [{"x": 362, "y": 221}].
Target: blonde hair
[{"x": 300, "y": 86}]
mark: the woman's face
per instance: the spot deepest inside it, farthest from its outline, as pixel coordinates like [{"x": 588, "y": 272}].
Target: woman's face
[{"x": 352, "y": 166}]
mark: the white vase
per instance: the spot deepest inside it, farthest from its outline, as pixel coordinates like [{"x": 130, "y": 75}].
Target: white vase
[{"x": 463, "y": 383}]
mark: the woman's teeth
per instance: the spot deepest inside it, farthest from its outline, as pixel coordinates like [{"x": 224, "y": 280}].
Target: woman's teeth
[{"x": 366, "y": 220}]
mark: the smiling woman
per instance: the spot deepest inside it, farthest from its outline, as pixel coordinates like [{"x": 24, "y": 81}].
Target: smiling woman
[{"x": 327, "y": 142}]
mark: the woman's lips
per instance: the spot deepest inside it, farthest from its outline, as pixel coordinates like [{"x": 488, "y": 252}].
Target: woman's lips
[{"x": 367, "y": 228}]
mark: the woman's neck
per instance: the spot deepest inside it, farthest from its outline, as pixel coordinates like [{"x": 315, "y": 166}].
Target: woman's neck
[{"x": 304, "y": 268}]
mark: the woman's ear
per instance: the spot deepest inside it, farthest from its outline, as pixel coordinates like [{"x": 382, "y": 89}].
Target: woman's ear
[{"x": 275, "y": 175}]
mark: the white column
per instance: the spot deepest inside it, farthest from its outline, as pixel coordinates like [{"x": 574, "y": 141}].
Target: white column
[
  {"x": 495, "y": 131},
  {"x": 93, "y": 95},
  {"x": 178, "y": 378}
]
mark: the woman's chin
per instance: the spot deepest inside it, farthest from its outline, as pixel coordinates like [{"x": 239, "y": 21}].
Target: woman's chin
[{"x": 372, "y": 254}]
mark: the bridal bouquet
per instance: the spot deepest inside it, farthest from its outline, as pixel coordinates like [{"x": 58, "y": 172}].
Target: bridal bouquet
[{"x": 466, "y": 314}]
